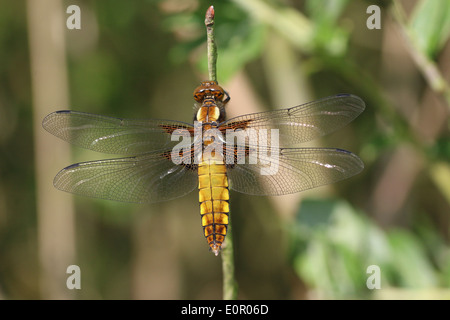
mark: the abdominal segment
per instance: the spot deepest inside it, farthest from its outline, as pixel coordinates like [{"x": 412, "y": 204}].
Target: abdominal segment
[{"x": 213, "y": 198}]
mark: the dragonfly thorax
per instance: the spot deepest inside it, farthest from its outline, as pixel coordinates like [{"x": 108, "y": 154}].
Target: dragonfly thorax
[{"x": 208, "y": 112}]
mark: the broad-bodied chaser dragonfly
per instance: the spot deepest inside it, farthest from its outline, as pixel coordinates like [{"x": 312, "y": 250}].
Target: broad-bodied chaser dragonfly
[{"x": 166, "y": 159}]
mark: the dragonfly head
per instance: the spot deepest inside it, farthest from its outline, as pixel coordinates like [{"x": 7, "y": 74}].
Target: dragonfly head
[{"x": 209, "y": 89}]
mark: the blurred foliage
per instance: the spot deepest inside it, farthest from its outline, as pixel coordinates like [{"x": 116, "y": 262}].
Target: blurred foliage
[
  {"x": 430, "y": 25},
  {"x": 143, "y": 59},
  {"x": 333, "y": 247},
  {"x": 328, "y": 34}
]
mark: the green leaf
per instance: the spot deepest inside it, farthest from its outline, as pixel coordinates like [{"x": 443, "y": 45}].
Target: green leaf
[
  {"x": 314, "y": 213},
  {"x": 410, "y": 262},
  {"x": 327, "y": 34},
  {"x": 339, "y": 246},
  {"x": 325, "y": 11},
  {"x": 430, "y": 25}
]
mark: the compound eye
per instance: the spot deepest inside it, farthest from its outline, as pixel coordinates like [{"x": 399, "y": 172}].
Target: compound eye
[
  {"x": 217, "y": 93},
  {"x": 199, "y": 94}
]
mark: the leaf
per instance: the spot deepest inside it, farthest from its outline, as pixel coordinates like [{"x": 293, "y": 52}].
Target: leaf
[
  {"x": 325, "y": 15},
  {"x": 314, "y": 213},
  {"x": 325, "y": 11},
  {"x": 410, "y": 261},
  {"x": 430, "y": 25},
  {"x": 339, "y": 246}
]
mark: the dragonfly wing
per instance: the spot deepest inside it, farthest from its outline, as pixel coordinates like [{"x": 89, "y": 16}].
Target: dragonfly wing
[
  {"x": 145, "y": 178},
  {"x": 115, "y": 135},
  {"x": 298, "y": 124},
  {"x": 293, "y": 170}
]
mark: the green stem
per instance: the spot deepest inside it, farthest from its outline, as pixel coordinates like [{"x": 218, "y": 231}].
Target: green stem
[
  {"x": 229, "y": 282},
  {"x": 212, "y": 49}
]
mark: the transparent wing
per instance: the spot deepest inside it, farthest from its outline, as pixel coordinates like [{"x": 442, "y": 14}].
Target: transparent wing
[
  {"x": 298, "y": 124},
  {"x": 145, "y": 178},
  {"x": 293, "y": 170},
  {"x": 114, "y": 135}
]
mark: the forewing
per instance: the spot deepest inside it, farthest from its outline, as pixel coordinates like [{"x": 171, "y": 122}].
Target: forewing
[
  {"x": 298, "y": 124},
  {"x": 115, "y": 135}
]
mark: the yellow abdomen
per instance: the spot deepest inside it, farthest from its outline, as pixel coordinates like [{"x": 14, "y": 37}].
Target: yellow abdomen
[{"x": 213, "y": 197}]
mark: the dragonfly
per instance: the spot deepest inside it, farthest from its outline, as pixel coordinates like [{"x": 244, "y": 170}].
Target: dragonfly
[{"x": 254, "y": 154}]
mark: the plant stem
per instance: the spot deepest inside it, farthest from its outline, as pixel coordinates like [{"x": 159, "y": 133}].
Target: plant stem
[
  {"x": 229, "y": 282},
  {"x": 212, "y": 49}
]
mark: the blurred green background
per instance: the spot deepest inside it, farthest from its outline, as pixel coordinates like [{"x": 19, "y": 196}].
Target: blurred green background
[{"x": 143, "y": 59}]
